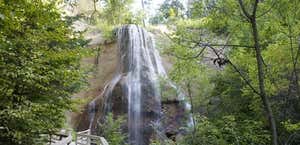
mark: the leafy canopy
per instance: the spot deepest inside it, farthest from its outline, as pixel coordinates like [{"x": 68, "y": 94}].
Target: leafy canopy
[{"x": 39, "y": 63}]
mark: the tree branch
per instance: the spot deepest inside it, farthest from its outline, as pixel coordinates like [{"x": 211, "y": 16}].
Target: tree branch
[
  {"x": 202, "y": 44},
  {"x": 238, "y": 71},
  {"x": 226, "y": 45},
  {"x": 211, "y": 46},
  {"x": 267, "y": 11},
  {"x": 255, "y": 8},
  {"x": 190, "y": 57},
  {"x": 244, "y": 9}
]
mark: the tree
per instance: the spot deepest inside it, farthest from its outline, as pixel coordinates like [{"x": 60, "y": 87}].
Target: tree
[
  {"x": 227, "y": 130},
  {"x": 111, "y": 129},
  {"x": 116, "y": 11},
  {"x": 251, "y": 18},
  {"x": 200, "y": 8},
  {"x": 233, "y": 29},
  {"x": 39, "y": 70},
  {"x": 169, "y": 10}
]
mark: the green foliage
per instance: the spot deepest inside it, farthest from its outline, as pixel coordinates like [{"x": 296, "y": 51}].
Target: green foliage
[
  {"x": 170, "y": 10},
  {"x": 291, "y": 127},
  {"x": 165, "y": 142},
  {"x": 228, "y": 94},
  {"x": 111, "y": 130},
  {"x": 114, "y": 13},
  {"x": 278, "y": 44},
  {"x": 39, "y": 62},
  {"x": 201, "y": 8},
  {"x": 166, "y": 90},
  {"x": 107, "y": 30},
  {"x": 227, "y": 131}
]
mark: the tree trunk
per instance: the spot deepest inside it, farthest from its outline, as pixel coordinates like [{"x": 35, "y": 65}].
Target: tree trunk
[
  {"x": 143, "y": 6},
  {"x": 260, "y": 74},
  {"x": 294, "y": 84}
]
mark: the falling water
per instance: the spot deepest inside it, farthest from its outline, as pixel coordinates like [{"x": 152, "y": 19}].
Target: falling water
[
  {"x": 91, "y": 113},
  {"x": 136, "y": 83},
  {"x": 141, "y": 63}
]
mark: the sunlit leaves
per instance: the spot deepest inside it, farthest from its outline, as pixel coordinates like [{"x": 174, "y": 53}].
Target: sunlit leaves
[
  {"x": 40, "y": 70},
  {"x": 227, "y": 130},
  {"x": 278, "y": 32},
  {"x": 111, "y": 130}
]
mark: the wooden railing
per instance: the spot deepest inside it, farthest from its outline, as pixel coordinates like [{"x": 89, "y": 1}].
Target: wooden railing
[
  {"x": 85, "y": 138},
  {"x": 64, "y": 137}
]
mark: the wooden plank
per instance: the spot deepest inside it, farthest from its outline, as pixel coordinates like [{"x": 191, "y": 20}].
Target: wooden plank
[
  {"x": 103, "y": 140},
  {"x": 84, "y": 132},
  {"x": 85, "y": 136},
  {"x": 64, "y": 141}
]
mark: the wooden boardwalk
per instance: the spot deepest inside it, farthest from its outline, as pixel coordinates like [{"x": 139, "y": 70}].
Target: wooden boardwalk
[
  {"x": 84, "y": 138},
  {"x": 81, "y": 138}
]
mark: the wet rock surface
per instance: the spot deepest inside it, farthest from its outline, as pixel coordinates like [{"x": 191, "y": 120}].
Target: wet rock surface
[{"x": 134, "y": 91}]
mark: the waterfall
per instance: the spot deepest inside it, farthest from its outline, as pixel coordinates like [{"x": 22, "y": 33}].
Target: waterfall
[
  {"x": 91, "y": 113},
  {"x": 141, "y": 66},
  {"x": 135, "y": 89}
]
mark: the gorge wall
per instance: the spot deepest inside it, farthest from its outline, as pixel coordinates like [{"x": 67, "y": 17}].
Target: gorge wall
[{"x": 135, "y": 91}]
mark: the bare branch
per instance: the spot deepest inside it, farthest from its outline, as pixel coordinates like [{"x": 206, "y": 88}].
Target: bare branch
[
  {"x": 202, "y": 44},
  {"x": 211, "y": 46},
  {"x": 189, "y": 57},
  {"x": 95, "y": 8},
  {"x": 267, "y": 11},
  {"x": 237, "y": 70},
  {"x": 226, "y": 45},
  {"x": 255, "y": 8},
  {"x": 244, "y": 9}
]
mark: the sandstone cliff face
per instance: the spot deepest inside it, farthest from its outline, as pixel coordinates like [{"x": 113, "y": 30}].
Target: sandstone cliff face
[
  {"x": 101, "y": 74},
  {"x": 172, "y": 110}
]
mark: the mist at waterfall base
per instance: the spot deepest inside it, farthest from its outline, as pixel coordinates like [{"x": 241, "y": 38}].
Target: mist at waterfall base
[{"x": 135, "y": 90}]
